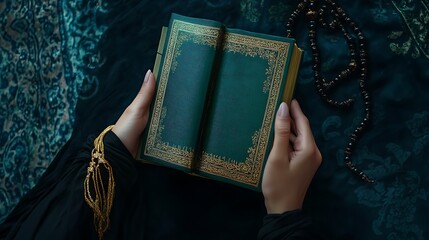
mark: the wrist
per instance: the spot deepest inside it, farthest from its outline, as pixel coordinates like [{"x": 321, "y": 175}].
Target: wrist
[{"x": 279, "y": 206}]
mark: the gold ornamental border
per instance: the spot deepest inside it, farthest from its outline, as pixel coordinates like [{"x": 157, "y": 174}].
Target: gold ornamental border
[
  {"x": 274, "y": 52},
  {"x": 155, "y": 147}
]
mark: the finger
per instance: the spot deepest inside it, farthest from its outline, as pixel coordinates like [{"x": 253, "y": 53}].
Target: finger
[
  {"x": 302, "y": 126},
  {"x": 290, "y": 151},
  {"x": 143, "y": 99},
  {"x": 292, "y": 137},
  {"x": 282, "y": 131},
  {"x": 292, "y": 126}
]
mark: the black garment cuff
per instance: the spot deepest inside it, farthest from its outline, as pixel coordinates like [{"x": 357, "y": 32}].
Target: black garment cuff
[{"x": 289, "y": 225}]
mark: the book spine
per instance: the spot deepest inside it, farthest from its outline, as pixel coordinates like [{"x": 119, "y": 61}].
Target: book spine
[{"x": 209, "y": 95}]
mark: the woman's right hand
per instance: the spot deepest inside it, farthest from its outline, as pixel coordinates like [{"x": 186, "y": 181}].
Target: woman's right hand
[{"x": 292, "y": 163}]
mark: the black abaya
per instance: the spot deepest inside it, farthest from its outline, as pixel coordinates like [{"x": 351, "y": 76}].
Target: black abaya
[{"x": 56, "y": 209}]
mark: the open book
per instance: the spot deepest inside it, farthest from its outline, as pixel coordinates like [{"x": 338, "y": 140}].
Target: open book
[{"x": 218, "y": 90}]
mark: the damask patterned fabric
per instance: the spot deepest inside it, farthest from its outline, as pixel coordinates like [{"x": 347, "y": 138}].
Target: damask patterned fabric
[
  {"x": 42, "y": 64},
  {"x": 68, "y": 69}
]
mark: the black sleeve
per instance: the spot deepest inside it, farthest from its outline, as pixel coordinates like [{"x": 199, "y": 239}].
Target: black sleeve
[
  {"x": 56, "y": 209},
  {"x": 289, "y": 225}
]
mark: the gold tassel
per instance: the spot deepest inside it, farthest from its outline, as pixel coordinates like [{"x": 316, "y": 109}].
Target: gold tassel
[{"x": 97, "y": 197}]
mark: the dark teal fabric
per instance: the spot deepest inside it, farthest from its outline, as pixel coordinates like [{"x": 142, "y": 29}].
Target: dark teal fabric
[{"x": 68, "y": 70}]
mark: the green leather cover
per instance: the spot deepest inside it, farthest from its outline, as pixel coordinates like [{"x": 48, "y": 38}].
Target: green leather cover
[{"x": 217, "y": 94}]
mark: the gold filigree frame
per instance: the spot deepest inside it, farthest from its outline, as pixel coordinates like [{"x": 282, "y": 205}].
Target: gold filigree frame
[{"x": 274, "y": 52}]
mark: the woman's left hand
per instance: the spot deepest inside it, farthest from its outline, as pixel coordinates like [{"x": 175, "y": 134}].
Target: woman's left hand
[{"x": 134, "y": 119}]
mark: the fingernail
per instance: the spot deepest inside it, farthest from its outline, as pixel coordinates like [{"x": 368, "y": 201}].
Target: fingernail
[
  {"x": 296, "y": 101},
  {"x": 283, "y": 110},
  {"x": 146, "y": 77}
]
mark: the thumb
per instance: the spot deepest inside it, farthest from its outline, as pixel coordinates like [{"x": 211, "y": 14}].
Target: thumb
[
  {"x": 141, "y": 102},
  {"x": 282, "y": 130}
]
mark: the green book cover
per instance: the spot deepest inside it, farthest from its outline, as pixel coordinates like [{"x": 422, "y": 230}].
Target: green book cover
[{"x": 217, "y": 94}]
